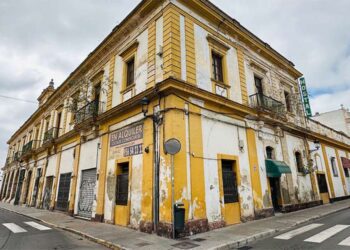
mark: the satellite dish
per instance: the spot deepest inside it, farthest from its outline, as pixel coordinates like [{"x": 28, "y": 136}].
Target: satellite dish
[{"x": 172, "y": 146}]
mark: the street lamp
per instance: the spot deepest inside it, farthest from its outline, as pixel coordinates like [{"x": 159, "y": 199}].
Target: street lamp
[
  {"x": 144, "y": 102},
  {"x": 317, "y": 146}
]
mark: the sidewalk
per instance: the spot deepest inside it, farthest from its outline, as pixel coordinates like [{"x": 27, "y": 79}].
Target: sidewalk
[{"x": 225, "y": 238}]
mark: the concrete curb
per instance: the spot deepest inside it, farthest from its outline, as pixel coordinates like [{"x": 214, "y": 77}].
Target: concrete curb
[
  {"x": 246, "y": 240},
  {"x": 71, "y": 230}
]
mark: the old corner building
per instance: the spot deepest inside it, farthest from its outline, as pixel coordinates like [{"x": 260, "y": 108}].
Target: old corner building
[{"x": 176, "y": 69}]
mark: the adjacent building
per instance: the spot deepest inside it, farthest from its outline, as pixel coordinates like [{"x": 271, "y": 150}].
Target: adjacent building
[
  {"x": 337, "y": 119},
  {"x": 178, "y": 76}
]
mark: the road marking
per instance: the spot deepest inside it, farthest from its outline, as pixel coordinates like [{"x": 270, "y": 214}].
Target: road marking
[
  {"x": 37, "y": 225},
  {"x": 320, "y": 237},
  {"x": 345, "y": 242},
  {"x": 291, "y": 234},
  {"x": 14, "y": 228}
]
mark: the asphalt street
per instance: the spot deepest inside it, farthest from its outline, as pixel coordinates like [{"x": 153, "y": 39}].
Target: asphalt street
[
  {"x": 18, "y": 232},
  {"x": 331, "y": 232}
]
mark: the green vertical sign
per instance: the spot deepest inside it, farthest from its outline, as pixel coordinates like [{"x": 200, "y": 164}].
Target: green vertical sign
[{"x": 305, "y": 96}]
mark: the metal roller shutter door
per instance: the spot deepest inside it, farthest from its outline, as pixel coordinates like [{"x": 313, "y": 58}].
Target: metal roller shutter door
[{"x": 86, "y": 195}]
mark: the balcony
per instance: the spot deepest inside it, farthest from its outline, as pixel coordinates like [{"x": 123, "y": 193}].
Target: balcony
[
  {"x": 17, "y": 156},
  {"x": 8, "y": 160},
  {"x": 267, "y": 104},
  {"x": 90, "y": 110},
  {"x": 27, "y": 148},
  {"x": 51, "y": 135}
]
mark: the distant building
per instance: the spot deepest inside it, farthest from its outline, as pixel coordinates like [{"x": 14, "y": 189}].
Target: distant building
[{"x": 336, "y": 119}]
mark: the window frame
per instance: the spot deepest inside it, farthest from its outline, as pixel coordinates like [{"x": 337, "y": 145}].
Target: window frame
[
  {"x": 287, "y": 100},
  {"x": 299, "y": 162},
  {"x": 217, "y": 66},
  {"x": 230, "y": 190},
  {"x": 334, "y": 166},
  {"x": 122, "y": 198},
  {"x": 130, "y": 76}
]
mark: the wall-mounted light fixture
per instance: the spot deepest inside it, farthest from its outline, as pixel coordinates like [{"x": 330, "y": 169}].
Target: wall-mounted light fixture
[
  {"x": 317, "y": 146},
  {"x": 144, "y": 102}
]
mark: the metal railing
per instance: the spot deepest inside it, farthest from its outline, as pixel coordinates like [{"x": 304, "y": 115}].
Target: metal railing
[
  {"x": 262, "y": 102},
  {"x": 51, "y": 134},
  {"x": 90, "y": 110},
  {"x": 30, "y": 146},
  {"x": 9, "y": 160},
  {"x": 17, "y": 156}
]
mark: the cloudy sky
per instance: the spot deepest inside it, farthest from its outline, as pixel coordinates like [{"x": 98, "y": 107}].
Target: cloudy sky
[{"x": 42, "y": 39}]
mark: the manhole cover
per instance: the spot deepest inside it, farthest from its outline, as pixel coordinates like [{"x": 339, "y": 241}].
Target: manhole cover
[
  {"x": 185, "y": 245},
  {"x": 199, "y": 239}
]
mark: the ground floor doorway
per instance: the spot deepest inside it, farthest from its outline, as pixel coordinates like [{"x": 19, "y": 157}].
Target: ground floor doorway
[
  {"x": 322, "y": 185},
  {"x": 63, "y": 192},
  {"x": 47, "y": 192},
  {"x": 275, "y": 192},
  {"x": 86, "y": 193}
]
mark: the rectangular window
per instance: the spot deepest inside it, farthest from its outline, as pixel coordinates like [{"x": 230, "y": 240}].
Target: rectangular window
[
  {"x": 334, "y": 167},
  {"x": 217, "y": 67},
  {"x": 97, "y": 91},
  {"x": 122, "y": 184},
  {"x": 288, "y": 101},
  {"x": 130, "y": 72},
  {"x": 258, "y": 85},
  {"x": 229, "y": 180},
  {"x": 346, "y": 172}
]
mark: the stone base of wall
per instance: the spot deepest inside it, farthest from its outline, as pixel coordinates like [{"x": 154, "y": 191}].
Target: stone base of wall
[
  {"x": 191, "y": 227},
  {"x": 216, "y": 225},
  {"x": 146, "y": 226},
  {"x": 339, "y": 198},
  {"x": 295, "y": 207},
  {"x": 264, "y": 213},
  {"x": 98, "y": 218}
]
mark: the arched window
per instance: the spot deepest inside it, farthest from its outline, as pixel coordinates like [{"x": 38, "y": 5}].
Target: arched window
[
  {"x": 270, "y": 153},
  {"x": 299, "y": 162}
]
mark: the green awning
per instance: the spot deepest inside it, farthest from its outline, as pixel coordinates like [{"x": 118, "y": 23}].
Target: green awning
[{"x": 276, "y": 168}]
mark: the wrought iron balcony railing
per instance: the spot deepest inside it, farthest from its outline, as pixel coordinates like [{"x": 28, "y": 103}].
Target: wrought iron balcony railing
[
  {"x": 17, "y": 156},
  {"x": 90, "y": 110},
  {"x": 30, "y": 146},
  {"x": 266, "y": 103},
  {"x": 9, "y": 160},
  {"x": 51, "y": 134}
]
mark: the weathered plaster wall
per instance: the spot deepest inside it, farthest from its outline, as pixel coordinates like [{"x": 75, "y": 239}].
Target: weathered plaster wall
[
  {"x": 135, "y": 193},
  {"x": 337, "y": 183},
  {"x": 301, "y": 183},
  {"x": 66, "y": 163},
  {"x": 223, "y": 138},
  {"x": 264, "y": 138},
  {"x": 203, "y": 70},
  {"x": 159, "y": 49},
  {"x": 347, "y": 179},
  {"x": 51, "y": 167},
  {"x": 141, "y": 63},
  {"x": 319, "y": 163}
]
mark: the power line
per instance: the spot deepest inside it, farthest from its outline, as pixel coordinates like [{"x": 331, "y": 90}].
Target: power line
[{"x": 16, "y": 99}]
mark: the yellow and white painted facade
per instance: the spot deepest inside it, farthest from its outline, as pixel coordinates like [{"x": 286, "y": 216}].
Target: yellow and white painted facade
[{"x": 171, "y": 44}]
